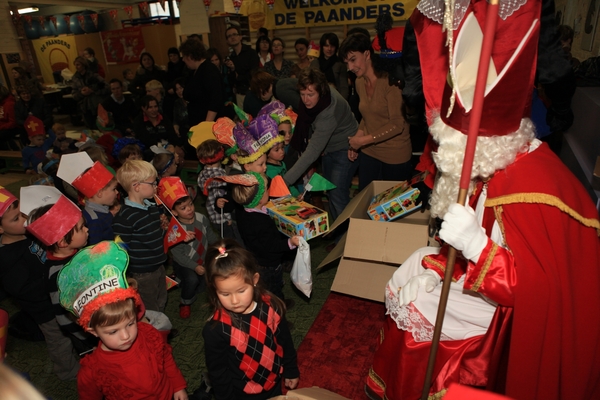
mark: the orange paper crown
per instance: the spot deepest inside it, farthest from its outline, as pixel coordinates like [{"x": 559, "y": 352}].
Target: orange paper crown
[
  {"x": 34, "y": 126},
  {"x": 171, "y": 189},
  {"x": 278, "y": 187},
  {"x": 6, "y": 199}
]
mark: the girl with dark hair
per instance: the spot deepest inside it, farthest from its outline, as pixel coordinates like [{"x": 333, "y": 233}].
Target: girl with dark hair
[
  {"x": 330, "y": 64},
  {"x": 241, "y": 307},
  {"x": 301, "y": 47}
]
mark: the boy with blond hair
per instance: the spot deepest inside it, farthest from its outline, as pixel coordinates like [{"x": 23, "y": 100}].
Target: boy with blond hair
[{"x": 138, "y": 224}]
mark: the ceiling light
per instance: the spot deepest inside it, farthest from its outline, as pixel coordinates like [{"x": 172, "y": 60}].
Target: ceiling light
[{"x": 28, "y": 10}]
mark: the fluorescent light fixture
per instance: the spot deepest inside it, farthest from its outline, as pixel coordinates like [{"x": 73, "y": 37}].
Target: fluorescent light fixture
[{"x": 28, "y": 10}]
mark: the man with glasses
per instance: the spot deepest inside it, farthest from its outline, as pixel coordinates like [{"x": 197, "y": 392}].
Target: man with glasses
[{"x": 242, "y": 61}]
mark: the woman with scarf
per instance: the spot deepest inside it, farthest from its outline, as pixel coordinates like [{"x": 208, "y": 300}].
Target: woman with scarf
[
  {"x": 324, "y": 124},
  {"x": 330, "y": 64}
]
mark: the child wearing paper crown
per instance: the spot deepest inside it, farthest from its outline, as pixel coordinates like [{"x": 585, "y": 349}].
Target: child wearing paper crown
[
  {"x": 35, "y": 152},
  {"x": 58, "y": 224},
  {"x": 99, "y": 188},
  {"x": 188, "y": 258},
  {"x": 24, "y": 278},
  {"x": 132, "y": 360},
  {"x": 249, "y": 350},
  {"x": 258, "y": 230},
  {"x": 138, "y": 224}
]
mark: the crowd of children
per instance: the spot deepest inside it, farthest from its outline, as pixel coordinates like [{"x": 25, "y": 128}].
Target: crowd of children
[{"x": 135, "y": 222}]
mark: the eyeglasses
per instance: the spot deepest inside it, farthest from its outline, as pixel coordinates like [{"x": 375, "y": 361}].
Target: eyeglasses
[
  {"x": 154, "y": 184},
  {"x": 232, "y": 35}
]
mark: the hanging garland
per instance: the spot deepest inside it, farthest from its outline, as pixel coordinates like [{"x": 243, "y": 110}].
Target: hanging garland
[{"x": 237, "y": 4}]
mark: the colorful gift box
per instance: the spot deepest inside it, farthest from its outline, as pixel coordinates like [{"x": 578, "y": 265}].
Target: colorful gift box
[{"x": 298, "y": 218}]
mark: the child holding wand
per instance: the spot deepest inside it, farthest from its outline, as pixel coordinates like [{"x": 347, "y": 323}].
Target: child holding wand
[{"x": 243, "y": 308}]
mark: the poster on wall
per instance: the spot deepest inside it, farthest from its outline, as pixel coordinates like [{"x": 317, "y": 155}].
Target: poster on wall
[
  {"x": 54, "y": 55},
  {"x": 589, "y": 25},
  {"x": 308, "y": 13},
  {"x": 123, "y": 46}
]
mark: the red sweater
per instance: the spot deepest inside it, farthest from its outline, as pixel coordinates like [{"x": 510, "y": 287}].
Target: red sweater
[{"x": 145, "y": 371}]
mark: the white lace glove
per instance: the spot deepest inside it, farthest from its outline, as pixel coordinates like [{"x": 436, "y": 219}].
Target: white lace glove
[
  {"x": 428, "y": 279},
  {"x": 462, "y": 231}
]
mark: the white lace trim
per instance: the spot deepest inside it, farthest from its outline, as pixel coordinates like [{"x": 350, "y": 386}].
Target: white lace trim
[
  {"x": 408, "y": 318},
  {"x": 434, "y": 9}
]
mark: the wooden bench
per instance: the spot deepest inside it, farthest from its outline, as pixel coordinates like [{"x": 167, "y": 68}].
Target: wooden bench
[
  {"x": 13, "y": 161},
  {"x": 189, "y": 172}
]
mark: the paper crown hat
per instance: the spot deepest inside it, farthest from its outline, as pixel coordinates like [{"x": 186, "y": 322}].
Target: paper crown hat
[
  {"x": 87, "y": 176},
  {"x": 201, "y": 133},
  {"x": 6, "y": 199},
  {"x": 223, "y": 131},
  {"x": 313, "y": 50},
  {"x": 94, "y": 278},
  {"x": 103, "y": 120},
  {"x": 247, "y": 143},
  {"x": 244, "y": 117},
  {"x": 34, "y": 126},
  {"x": 248, "y": 179},
  {"x": 57, "y": 221},
  {"x": 266, "y": 132},
  {"x": 170, "y": 189},
  {"x": 510, "y": 75}
]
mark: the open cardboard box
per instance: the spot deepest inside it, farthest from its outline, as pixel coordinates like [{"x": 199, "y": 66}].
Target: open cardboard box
[
  {"x": 371, "y": 251},
  {"x": 312, "y": 393}
]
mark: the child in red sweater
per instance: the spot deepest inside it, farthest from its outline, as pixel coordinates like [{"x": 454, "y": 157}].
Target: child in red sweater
[{"x": 132, "y": 361}]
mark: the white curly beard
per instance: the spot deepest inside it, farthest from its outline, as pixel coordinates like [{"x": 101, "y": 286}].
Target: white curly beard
[{"x": 491, "y": 154}]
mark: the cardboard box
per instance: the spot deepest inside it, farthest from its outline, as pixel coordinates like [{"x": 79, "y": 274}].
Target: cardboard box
[
  {"x": 394, "y": 202},
  {"x": 294, "y": 217},
  {"x": 312, "y": 393},
  {"x": 371, "y": 251}
]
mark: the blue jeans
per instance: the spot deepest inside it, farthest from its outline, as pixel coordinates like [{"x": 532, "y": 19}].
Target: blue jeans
[
  {"x": 191, "y": 283},
  {"x": 371, "y": 169},
  {"x": 337, "y": 169}
]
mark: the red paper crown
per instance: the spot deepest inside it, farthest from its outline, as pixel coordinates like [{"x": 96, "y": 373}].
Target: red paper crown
[
  {"x": 171, "y": 189},
  {"x": 34, "y": 126},
  {"x": 393, "y": 42},
  {"x": 510, "y": 77},
  {"x": 93, "y": 180},
  {"x": 6, "y": 199},
  {"x": 56, "y": 223}
]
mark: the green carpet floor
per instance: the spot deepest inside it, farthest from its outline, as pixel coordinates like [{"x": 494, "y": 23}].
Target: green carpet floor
[{"x": 188, "y": 347}]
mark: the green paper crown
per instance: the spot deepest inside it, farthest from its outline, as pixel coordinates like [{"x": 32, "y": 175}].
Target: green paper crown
[{"x": 95, "y": 270}]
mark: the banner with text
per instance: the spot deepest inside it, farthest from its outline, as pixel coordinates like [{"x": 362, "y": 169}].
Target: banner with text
[
  {"x": 123, "y": 46},
  {"x": 308, "y": 13},
  {"x": 54, "y": 55}
]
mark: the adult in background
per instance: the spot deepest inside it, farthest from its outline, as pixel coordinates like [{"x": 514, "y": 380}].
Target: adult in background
[
  {"x": 261, "y": 92},
  {"x": 29, "y": 104},
  {"x": 279, "y": 67},
  {"x": 90, "y": 55},
  {"x": 242, "y": 61},
  {"x": 147, "y": 71},
  {"x": 215, "y": 57},
  {"x": 151, "y": 127},
  {"x": 165, "y": 103},
  {"x": 331, "y": 65},
  {"x": 324, "y": 124},
  {"x": 176, "y": 68},
  {"x": 301, "y": 47},
  {"x": 89, "y": 90},
  {"x": 264, "y": 50},
  {"x": 203, "y": 88},
  {"x": 382, "y": 144},
  {"x": 8, "y": 123},
  {"x": 24, "y": 79},
  {"x": 122, "y": 107},
  {"x": 181, "y": 121}
]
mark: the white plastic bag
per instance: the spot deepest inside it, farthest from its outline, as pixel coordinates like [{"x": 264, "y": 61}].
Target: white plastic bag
[{"x": 301, "y": 271}]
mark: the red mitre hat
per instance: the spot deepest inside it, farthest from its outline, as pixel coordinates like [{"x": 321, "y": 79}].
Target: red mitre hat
[
  {"x": 6, "y": 199},
  {"x": 511, "y": 74},
  {"x": 87, "y": 176},
  {"x": 393, "y": 43},
  {"x": 57, "y": 221},
  {"x": 170, "y": 189},
  {"x": 34, "y": 126}
]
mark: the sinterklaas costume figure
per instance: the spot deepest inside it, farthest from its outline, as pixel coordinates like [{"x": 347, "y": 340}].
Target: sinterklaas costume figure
[{"x": 521, "y": 318}]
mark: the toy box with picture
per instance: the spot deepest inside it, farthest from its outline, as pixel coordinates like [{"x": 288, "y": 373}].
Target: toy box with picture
[
  {"x": 396, "y": 201},
  {"x": 294, "y": 217}
]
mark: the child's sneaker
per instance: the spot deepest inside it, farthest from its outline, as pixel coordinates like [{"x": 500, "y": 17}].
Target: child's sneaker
[{"x": 185, "y": 310}]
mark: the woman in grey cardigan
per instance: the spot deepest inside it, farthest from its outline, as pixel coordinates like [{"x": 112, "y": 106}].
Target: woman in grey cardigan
[{"x": 324, "y": 124}]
